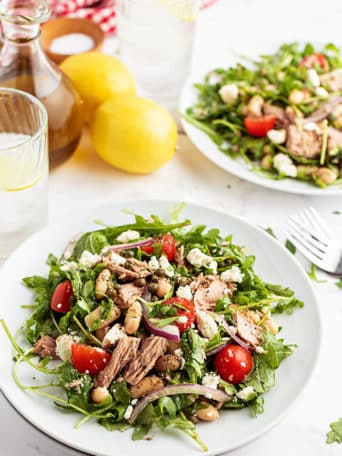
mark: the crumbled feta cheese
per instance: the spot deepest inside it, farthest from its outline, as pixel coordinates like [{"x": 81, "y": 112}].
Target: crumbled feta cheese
[
  {"x": 166, "y": 266},
  {"x": 63, "y": 346},
  {"x": 213, "y": 266},
  {"x": 68, "y": 265},
  {"x": 232, "y": 275},
  {"x": 206, "y": 324},
  {"x": 89, "y": 259},
  {"x": 128, "y": 236},
  {"x": 260, "y": 350},
  {"x": 184, "y": 292},
  {"x": 246, "y": 394},
  {"x": 313, "y": 77},
  {"x": 128, "y": 412},
  {"x": 153, "y": 264},
  {"x": 113, "y": 335},
  {"x": 134, "y": 401},
  {"x": 182, "y": 319},
  {"x": 311, "y": 126},
  {"x": 182, "y": 362},
  {"x": 277, "y": 136},
  {"x": 117, "y": 259},
  {"x": 284, "y": 165},
  {"x": 179, "y": 352},
  {"x": 321, "y": 92},
  {"x": 211, "y": 380},
  {"x": 198, "y": 258},
  {"x": 229, "y": 93}
]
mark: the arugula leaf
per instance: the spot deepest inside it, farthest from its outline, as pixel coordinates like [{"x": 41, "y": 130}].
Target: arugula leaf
[
  {"x": 339, "y": 283},
  {"x": 312, "y": 274},
  {"x": 78, "y": 395},
  {"x": 257, "y": 406},
  {"x": 337, "y": 212},
  {"x": 262, "y": 377},
  {"x": 194, "y": 355},
  {"x": 93, "y": 242},
  {"x": 120, "y": 392},
  {"x": 290, "y": 246},
  {"x": 335, "y": 434},
  {"x": 276, "y": 350},
  {"x": 270, "y": 231}
]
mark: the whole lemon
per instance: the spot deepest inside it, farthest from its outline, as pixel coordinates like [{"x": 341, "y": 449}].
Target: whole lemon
[
  {"x": 134, "y": 134},
  {"x": 98, "y": 77}
]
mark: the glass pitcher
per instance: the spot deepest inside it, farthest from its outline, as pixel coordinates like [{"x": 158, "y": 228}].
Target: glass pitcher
[{"x": 24, "y": 65}]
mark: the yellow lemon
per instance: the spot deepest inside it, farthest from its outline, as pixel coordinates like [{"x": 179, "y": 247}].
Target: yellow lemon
[
  {"x": 134, "y": 134},
  {"x": 98, "y": 77}
]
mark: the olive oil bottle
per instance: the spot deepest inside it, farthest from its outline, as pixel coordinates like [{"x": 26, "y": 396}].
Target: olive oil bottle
[{"x": 24, "y": 66}]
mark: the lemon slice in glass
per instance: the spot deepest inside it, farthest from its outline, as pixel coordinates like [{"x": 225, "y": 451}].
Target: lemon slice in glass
[
  {"x": 20, "y": 170},
  {"x": 182, "y": 10}
]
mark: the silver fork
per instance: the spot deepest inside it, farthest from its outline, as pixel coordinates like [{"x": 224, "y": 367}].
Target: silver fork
[{"x": 309, "y": 232}]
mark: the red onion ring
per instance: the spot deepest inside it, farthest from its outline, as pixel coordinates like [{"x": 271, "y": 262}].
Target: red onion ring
[
  {"x": 170, "y": 332},
  {"x": 215, "y": 350},
  {"x": 132, "y": 245},
  {"x": 183, "y": 388},
  {"x": 232, "y": 334}
]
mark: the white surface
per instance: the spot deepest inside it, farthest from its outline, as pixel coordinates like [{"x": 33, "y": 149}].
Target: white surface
[
  {"x": 273, "y": 263},
  {"x": 86, "y": 180},
  {"x": 238, "y": 166}
]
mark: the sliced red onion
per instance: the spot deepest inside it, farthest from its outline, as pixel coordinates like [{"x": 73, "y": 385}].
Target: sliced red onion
[
  {"x": 132, "y": 245},
  {"x": 231, "y": 332},
  {"x": 170, "y": 332},
  {"x": 324, "y": 110},
  {"x": 215, "y": 350},
  {"x": 183, "y": 388}
]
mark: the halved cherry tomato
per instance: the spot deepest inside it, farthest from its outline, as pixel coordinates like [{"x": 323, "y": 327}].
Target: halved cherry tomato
[
  {"x": 185, "y": 310},
  {"x": 314, "y": 59},
  {"x": 61, "y": 297},
  {"x": 89, "y": 360},
  {"x": 168, "y": 243},
  {"x": 259, "y": 126},
  {"x": 233, "y": 363}
]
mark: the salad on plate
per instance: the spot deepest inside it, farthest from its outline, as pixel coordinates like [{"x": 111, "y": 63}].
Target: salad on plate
[
  {"x": 153, "y": 324},
  {"x": 281, "y": 113}
]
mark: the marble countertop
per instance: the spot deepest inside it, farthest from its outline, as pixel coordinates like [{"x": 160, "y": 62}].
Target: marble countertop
[{"x": 247, "y": 25}]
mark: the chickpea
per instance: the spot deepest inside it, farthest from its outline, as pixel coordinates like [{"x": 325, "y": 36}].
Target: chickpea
[
  {"x": 326, "y": 175},
  {"x": 255, "y": 105},
  {"x": 296, "y": 96},
  {"x": 99, "y": 394},
  {"x": 266, "y": 162},
  {"x": 209, "y": 413}
]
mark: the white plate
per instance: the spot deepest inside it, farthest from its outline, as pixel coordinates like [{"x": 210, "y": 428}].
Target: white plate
[
  {"x": 234, "y": 428},
  {"x": 238, "y": 166}
]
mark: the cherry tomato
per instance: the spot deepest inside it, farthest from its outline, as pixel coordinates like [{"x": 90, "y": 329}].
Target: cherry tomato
[
  {"x": 186, "y": 311},
  {"x": 89, "y": 360},
  {"x": 259, "y": 126},
  {"x": 314, "y": 59},
  {"x": 61, "y": 297},
  {"x": 233, "y": 363},
  {"x": 168, "y": 243}
]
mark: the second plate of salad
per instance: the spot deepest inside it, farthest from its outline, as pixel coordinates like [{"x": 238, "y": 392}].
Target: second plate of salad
[{"x": 274, "y": 120}]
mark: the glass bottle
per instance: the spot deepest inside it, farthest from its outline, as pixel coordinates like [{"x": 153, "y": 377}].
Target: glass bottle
[{"x": 24, "y": 65}]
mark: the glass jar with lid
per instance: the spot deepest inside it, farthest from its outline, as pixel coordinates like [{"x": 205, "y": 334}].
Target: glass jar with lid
[{"x": 24, "y": 65}]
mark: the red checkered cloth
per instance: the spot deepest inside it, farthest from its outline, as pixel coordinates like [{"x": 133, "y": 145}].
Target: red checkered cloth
[{"x": 102, "y": 12}]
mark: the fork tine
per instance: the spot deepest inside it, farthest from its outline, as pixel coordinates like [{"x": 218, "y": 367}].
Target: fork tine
[
  {"x": 318, "y": 220},
  {"x": 306, "y": 252},
  {"x": 310, "y": 225},
  {"x": 304, "y": 234},
  {"x": 298, "y": 234}
]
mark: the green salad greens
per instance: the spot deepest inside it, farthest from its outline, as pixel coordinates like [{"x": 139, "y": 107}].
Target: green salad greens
[
  {"x": 282, "y": 113},
  {"x": 153, "y": 324}
]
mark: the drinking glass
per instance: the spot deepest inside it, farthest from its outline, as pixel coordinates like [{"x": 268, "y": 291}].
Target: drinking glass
[
  {"x": 155, "y": 42},
  {"x": 23, "y": 167}
]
